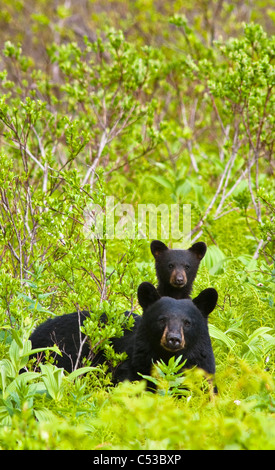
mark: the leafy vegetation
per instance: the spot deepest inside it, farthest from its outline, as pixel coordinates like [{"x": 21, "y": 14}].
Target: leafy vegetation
[{"x": 143, "y": 103}]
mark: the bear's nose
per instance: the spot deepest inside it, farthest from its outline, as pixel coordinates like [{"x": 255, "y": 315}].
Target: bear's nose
[
  {"x": 174, "y": 341},
  {"x": 178, "y": 278}
]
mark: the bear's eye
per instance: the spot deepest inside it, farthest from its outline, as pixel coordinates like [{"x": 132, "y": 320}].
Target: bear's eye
[
  {"x": 170, "y": 266},
  {"x": 162, "y": 321},
  {"x": 187, "y": 323},
  {"x": 187, "y": 266}
]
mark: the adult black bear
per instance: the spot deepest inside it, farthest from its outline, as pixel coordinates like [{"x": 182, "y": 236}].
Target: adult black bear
[
  {"x": 168, "y": 327},
  {"x": 176, "y": 269}
]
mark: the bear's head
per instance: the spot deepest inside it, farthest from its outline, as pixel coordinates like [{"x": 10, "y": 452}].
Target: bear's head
[
  {"x": 175, "y": 325},
  {"x": 177, "y": 268}
]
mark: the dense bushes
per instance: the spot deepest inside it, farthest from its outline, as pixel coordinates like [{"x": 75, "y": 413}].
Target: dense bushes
[{"x": 179, "y": 118}]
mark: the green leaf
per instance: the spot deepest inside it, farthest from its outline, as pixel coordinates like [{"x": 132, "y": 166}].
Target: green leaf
[
  {"x": 162, "y": 181},
  {"x": 218, "y": 334},
  {"x": 259, "y": 332},
  {"x": 214, "y": 259},
  {"x": 52, "y": 377},
  {"x": 82, "y": 371},
  {"x": 38, "y": 350}
]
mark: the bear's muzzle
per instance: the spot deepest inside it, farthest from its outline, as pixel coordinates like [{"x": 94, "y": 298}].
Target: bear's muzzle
[
  {"x": 172, "y": 340},
  {"x": 178, "y": 278}
]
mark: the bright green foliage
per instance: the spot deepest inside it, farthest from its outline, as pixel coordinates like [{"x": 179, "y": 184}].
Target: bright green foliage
[{"x": 167, "y": 103}]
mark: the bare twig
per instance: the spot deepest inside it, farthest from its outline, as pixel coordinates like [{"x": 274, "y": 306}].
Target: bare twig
[
  {"x": 228, "y": 169},
  {"x": 191, "y": 125},
  {"x": 259, "y": 247},
  {"x": 103, "y": 268},
  {"x": 43, "y": 153},
  {"x": 92, "y": 169},
  {"x": 217, "y": 112},
  {"x": 106, "y": 138},
  {"x": 82, "y": 341}
]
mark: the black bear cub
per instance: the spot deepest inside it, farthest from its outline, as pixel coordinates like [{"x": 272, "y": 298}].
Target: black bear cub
[
  {"x": 176, "y": 269},
  {"x": 168, "y": 327}
]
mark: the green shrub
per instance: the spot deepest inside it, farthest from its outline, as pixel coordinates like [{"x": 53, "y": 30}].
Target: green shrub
[{"x": 165, "y": 115}]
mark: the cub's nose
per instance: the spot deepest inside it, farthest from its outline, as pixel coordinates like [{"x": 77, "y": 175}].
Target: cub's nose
[{"x": 178, "y": 278}]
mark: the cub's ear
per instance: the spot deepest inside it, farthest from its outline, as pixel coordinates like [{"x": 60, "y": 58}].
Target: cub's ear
[
  {"x": 199, "y": 249},
  {"x": 147, "y": 294},
  {"x": 157, "y": 248},
  {"x": 206, "y": 301}
]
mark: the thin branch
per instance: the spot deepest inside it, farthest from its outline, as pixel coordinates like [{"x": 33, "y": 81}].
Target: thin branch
[
  {"x": 228, "y": 168},
  {"x": 261, "y": 244},
  {"x": 188, "y": 141},
  {"x": 20, "y": 146},
  {"x": 8, "y": 209},
  {"x": 216, "y": 111},
  {"x": 91, "y": 170},
  {"x": 256, "y": 205},
  {"x": 107, "y": 137},
  {"x": 81, "y": 344},
  {"x": 103, "y": 268},
  {"x": 43, "y": 153}
]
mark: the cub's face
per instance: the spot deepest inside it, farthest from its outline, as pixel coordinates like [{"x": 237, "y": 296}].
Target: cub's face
[
  {"x": 176, "y": 267},
  {"x": 172, "y": 324}
]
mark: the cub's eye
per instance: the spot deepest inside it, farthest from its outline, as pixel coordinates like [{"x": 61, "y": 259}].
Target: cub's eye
[
  {"x": 187, "y": 323},
  {"x": 170, "y": 266},
  {"x": 187, "y": 266}
]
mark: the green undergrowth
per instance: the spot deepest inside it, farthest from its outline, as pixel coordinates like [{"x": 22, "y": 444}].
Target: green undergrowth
[{"x": 241, "y": 416}]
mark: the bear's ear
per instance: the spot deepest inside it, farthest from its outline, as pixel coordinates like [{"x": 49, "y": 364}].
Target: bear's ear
[
  {"x": 157, "y": 248},
  {"x": 147, "y": 294},
  {"x": 199, "y": 249},
  {"x": 206, "y": 301}
]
